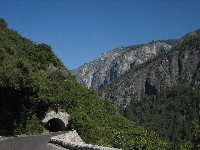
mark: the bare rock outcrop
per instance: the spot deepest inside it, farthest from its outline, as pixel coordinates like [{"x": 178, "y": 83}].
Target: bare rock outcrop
[
  {"x": 116, "y": 62},
  {"x": 181, "y": 65}
]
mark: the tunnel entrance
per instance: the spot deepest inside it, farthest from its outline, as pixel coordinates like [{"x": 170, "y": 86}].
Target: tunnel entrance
[
  {"x": 55, "y": 121},
  {"x": 55, "y": 124}
]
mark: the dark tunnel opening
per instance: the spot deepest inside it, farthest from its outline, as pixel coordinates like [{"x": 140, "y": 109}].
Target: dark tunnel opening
[{"x": 55, "y": 125}]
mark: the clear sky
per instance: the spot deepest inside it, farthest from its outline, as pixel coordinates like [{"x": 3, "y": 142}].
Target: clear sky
[{"x": 80, "y": 30}]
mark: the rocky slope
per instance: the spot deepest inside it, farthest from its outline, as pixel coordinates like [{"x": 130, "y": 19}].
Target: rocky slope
[
  {"x": 71, "y": 140},
  {"x": 112, "y": 64},
  {"x": 181, "y": 65}
]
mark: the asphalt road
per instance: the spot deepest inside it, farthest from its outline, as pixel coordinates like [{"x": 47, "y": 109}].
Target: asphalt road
[{"x": 29, "y": 143}]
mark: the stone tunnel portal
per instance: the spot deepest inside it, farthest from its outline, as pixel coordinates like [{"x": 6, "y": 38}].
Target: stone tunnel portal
[{"x": 56, "y": 121}]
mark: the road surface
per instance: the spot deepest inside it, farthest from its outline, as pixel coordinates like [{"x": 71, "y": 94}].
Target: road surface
[{"x": 29, "y": 143}]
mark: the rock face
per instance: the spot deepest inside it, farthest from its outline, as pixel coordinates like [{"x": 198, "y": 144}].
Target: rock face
[
  {"x": 181, "y": 65},
  {"x": 112, "y": 64}
]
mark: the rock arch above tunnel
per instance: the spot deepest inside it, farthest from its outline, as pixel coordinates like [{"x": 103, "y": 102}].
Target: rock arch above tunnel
[{"x": 59, "y": 119}]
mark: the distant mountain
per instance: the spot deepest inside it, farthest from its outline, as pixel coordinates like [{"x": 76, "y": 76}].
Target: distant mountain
[
  {"x": 178, "y": 65},
  {"x": 163, "y": 94},
  {"x": 114, "y": 63}
]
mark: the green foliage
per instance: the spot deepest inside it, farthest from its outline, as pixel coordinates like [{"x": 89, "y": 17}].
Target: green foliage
[
  {"x": 33, "y": 81},
  {"x": 33, "y": 127},
  {"x": 115, "y": 132},
  {"x": 3, "y": 24},
  {"x": 169, "y": 113},
  {"x": 196, "y": 135},
  {"x": 191, "y": 41},
  {"x": 186, "y": 146},
  {"x": 194, "y": 143}
]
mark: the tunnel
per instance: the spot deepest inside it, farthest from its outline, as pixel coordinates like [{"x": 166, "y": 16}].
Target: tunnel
[
  {"x": 55, "y": 124},
  {"x": 55, "y": 121}
]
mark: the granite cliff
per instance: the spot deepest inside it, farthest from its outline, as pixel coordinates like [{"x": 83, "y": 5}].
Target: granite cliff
[
  {"x": 114, "y": 63},
  {"x": 180, "y": 65}
]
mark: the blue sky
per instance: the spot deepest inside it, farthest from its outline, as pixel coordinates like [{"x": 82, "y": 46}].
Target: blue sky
[{"x": 80, "y": 30}]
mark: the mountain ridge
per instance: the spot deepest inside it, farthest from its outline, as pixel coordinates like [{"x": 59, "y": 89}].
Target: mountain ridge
[
  {"x": 114, "y": 63},
  {"x": 171, "y": 63},
  {"x": 162, "y": 94}
]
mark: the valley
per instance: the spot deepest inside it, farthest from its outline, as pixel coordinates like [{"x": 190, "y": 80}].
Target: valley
[{"x": 161, "y": 93}]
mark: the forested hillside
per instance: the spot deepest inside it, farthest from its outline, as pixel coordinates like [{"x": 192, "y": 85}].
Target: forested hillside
[
  {"x": 33, "y": 80},
  {"x": 163, "y": 94}
]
